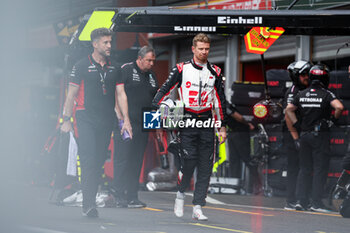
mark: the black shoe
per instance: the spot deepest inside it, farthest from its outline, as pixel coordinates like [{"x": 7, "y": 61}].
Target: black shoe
[
  {"x": 120, "y": 201},
  {"x": 300, "y": 207},
  {"x": 291, "y": 206},
  {"x": 90, "y": 212},
  {"x": 319, "y": 207},
  {"x": 136, "y": 204}
]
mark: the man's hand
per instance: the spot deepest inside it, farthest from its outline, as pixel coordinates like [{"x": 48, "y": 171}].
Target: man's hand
[
  {"x": 127, "y": 127},
  {"x": 297, "y": 144},
  {"x": 66, "y": 127},
  {"x": 222, "y": 135},
  {"x": 251, "y": 126}
]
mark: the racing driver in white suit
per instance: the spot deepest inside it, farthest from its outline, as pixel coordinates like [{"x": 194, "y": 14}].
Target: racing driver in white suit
[{"x": 201, "y": 89}]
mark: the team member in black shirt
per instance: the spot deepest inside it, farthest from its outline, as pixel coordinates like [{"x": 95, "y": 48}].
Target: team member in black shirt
[
  {"x": 299, "y": 73},
  {"x": 93, "y": 86},
  {"x": 315, "y": 104},
  {"x": 140, "y": 86}
]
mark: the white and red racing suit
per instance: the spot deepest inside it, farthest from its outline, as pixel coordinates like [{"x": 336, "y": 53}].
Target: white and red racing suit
[{"x": 201, "y": 89}]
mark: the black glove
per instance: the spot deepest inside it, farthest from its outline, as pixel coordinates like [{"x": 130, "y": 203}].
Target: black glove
[{"x": 297, "y": 144}]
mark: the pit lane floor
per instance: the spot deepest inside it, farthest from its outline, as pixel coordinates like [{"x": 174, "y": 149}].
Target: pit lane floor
[{"x": 27, "y": 211}]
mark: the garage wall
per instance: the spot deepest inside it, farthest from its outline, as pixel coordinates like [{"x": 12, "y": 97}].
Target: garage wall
[{"x": 325, "y": 47}]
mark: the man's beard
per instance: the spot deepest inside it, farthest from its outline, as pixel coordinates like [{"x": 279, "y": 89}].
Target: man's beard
[
  {"x": 202, "y": 58},
  {"x": 104, "y": 54}
]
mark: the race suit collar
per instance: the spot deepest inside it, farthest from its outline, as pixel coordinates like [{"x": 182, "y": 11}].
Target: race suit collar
[{"x": 197, "y": 66}]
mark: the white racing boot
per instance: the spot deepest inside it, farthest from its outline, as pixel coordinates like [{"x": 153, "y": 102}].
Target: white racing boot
[
  {"x": 198, "y": 213},
  {"x": 179, "y": 204}
]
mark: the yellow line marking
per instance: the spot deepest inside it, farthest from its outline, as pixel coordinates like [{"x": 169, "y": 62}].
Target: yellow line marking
[
  {"x": 238, "y": 211},
  {"x": 152, "y": 209},
  {"x": 218, "y": 228},
  {"x": 316, "y": 213},
  {"x": 111, "y": 224}
]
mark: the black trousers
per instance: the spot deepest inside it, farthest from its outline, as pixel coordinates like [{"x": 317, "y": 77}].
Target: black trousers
[
  {"x": 198, "y": 151},
  {"x": 292, "y": 166},
  {"x": 239, "y": 146},
  {"x": 128, "y": 159},
  {"x": 314, "y": 160},
  {"x": 93, "y": 144}
]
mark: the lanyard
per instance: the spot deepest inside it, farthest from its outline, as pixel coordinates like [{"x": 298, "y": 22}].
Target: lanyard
[{"x": 103, "y": 77}]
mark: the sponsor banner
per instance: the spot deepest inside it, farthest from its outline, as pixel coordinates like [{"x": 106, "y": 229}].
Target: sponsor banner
[
  {"x": 239, "y": 20},
  {"x": 220, "y": 5},
  {"x": 194, "y": 29},
  {"x": 231, "y": 5}
]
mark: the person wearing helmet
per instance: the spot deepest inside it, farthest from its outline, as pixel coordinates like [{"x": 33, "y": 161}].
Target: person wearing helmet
[
  {"x": 315, "y": 105},
  {"x": 299, "y": 74}
]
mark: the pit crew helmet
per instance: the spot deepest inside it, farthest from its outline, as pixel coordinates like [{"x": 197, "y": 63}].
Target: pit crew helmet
[
  {"x": 320, "y": 72},
  {"x": 298, "y": 68}
]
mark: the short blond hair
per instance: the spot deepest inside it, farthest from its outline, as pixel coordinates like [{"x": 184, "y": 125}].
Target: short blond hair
[{"x": 201, "y": 37}]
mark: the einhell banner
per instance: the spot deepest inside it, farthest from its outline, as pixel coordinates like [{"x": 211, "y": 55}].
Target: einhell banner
[
  {"x": 231, "y": 5},
  {"x": 220, "y": 5}
]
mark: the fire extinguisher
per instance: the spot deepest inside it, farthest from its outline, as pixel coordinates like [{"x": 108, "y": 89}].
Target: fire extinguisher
[{"x": 162, "y": 151}]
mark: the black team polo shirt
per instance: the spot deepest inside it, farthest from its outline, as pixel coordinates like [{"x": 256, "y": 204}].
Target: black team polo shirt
[
  {"x": 96, "y": 96},
  {"x": 140, "y": 88}
]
